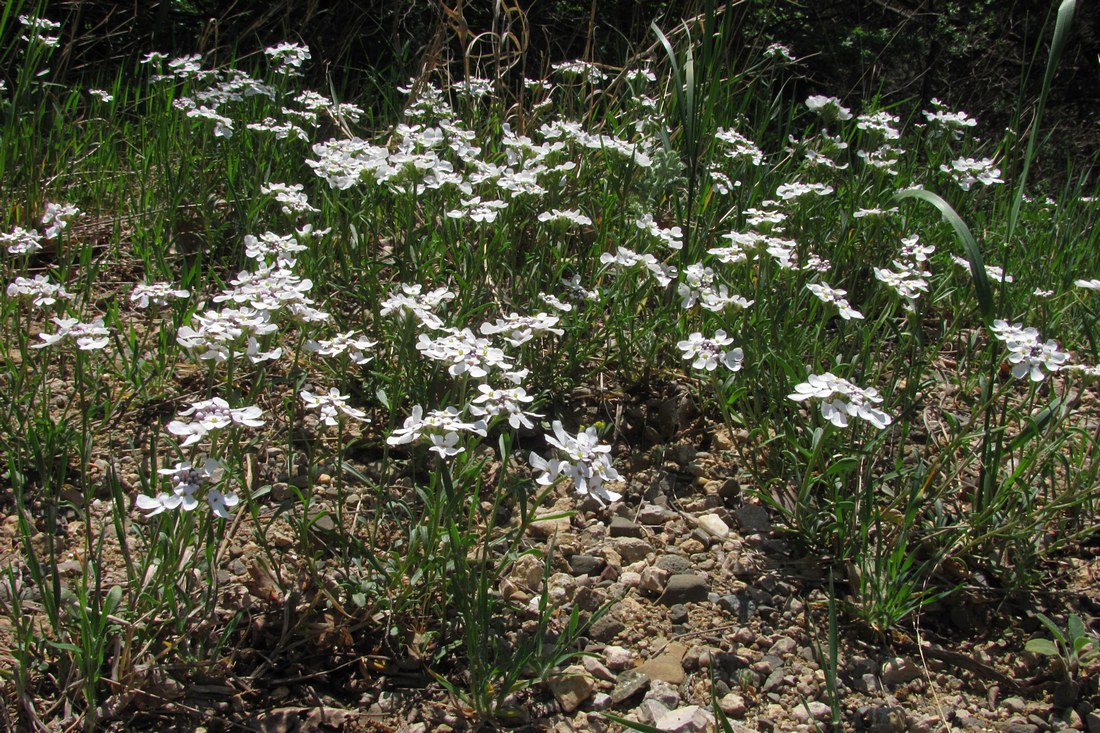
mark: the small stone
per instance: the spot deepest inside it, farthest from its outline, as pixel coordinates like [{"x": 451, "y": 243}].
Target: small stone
[
  {"x": 1014, "y": 704},
  {"x": 868, "y": 684},
  {"x": 732, "y": 705},
  {"x": 629, "y": 684},
  {"x": 653, "y": 580},
  {"x": 898, "y": 671},
  {"x": 926, "y": 724},
  {"x": 713, "y": 525},
  {"x": 812, "y": 710},
  {"x": 597, "y": 669},
  {"x": 664, "y": 693},
  {"x": 690, "y": 719},
  {"x": 623, "y": 527},
  {"x": 618, "y": 658},
  {"x": 783, "y": 646},
  {"x": 651, "y": 710},
  {"x": 674, "y": 564},
  {"x": 1018, "y": 727},
  {"x": 678, "y": 613},
  {"x": 571, "y": 688},
  {"x": 653, "y": 515},
  {"x": 887, "y": 719},
  {"x": 630, "y": 579},
  {"x": 586, "y": 564},
  {"x": 589, "y": 599},
  {"x": 754, "y": 519},
  {"x": 547, "y": 528},
  {"x": 631, "y": 549},
  {"x": 601, "y": 701},
  {"x": 606, "y": 628},
  {"x": 685, "y": 588},
  {"x": 667, "y": 666},
  {"x": 692, "y": 546}
]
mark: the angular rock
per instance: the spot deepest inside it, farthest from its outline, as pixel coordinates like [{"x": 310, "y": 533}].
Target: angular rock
[
  {"x": 754, "y": 519},
  {"x": 732, "y": 705},
  {"x": 631, "y": 549},
  {"x": 690, "y": 719},
  {"x": 653, "y": 515},
  {"x": 546, "y": 528},
  {"x": 783, "y": 646},
  {"x": 572, "y": 687},
  {"x": 663, "y": 692},
  {"x": 653, "y": 580},
  {"x": 667, "y": 666},
  {"x": 713, "y": 525},
  {"x": 674, "y": 564},
  {"x": 606, "y": 628},
  {"x": 586, "y": 564},
  {"x": 629, "y": 684},
  {"x": 685, "y": 588},
  {"x": 811, "y": 710},
  {"x": 651, "y": 710},
  {"x": 618, "y": 658},
  {"x": 623, "y": 527},
  {"x": 597, "y": 669},
  {"x": 898, "y": 671}
]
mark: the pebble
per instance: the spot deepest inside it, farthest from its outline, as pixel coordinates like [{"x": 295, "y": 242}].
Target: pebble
[
  {"x": 631, "y": 549},
  {"x": 572, "y": 687},
  {"x": 754, "y": 519},
  {"x": 653, "y": 515},
  {"x": 674, "y": 564},
  {"x": 606, "y": 628},
  {"x": 713, "y": 525},
  {"x": 623, "y": 527},
  {"x": 690, "y": 719},
  {"x": 685, "y": 588},
  {"x": 597, "y": 669},
  {"x": 664, "y": 693},
  {"x": 629, "y": 684},
  {"x": 653, "y": 580},
  {"x": 650, "y": 710},
  {"x": 586, "y": 564},
  {"x": 732, "y": 705},
  {"x": 618, "y": 658},
  {"x": 812, "y": 710},
  {"x": 898, "y": 671},
  {"x": 546, "y": 528},
  {"x": 667, "y": 666},
  {"x": 678, "y": 613},
  {"x": 783, "y": 646},
  {"x": 1014, "y": 704}
]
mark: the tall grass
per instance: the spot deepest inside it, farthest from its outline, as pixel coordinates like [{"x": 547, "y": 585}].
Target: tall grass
[{"x": 683, "y": 226}]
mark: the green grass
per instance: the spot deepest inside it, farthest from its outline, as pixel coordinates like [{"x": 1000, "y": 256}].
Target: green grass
[{"x": 407, "y": 546}]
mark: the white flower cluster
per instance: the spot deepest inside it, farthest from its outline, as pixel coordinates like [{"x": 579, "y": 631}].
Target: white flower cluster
[
  {"x": 840, "y": 400},
  {"x": 707, "y": 353},
  {"x": 908, "y": 278},
  {"x": 208, "y": 416},
  {"x": 829, "y": 108},
  {"x": 586, "y": 461},
  {"x": 968, "y": 171},
  {"x": 1027, "y": 352},
  {"x": 190, "y": 483},
  {"x": 40, "y": 290},
  {"x": 835, "y": 296},
  {"x": 88, "y": 336}
]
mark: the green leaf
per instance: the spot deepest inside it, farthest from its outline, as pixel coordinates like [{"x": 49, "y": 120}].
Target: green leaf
[
  {"x": 1045, "y": 647},
  {"x": 1076, "y": 628},
  {"x": 973, "y": 254}
]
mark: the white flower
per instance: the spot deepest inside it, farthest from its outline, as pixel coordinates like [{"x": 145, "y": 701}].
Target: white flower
[
  {"x": 994, "y": 273},
  {"x": 88, "y": 336},
  {"x": 706, "y": 353},
  {"x": 187, "y": 481},
  {"x": 440, "y": 427},
  {"x": 156, "y": 293},
  {"x": 212, "y": 415},
  {"x": 344, "y": 342},
  {"x": 840, "y": 399},
  {"x": 835, "y": 296},
  {"x": 103, "y": 96},
  {"x": 828, "y": 107},
  {"x": 40, "y": 288},
  {"x": 568, "y": 215},
  {"x": 331, "y": 405},
  {"x": 492, "y": 402},
  {"x": 20, "y": 241},
  {"x": 968, "y": 171},
  {"x": 1027, "y": 352},
  {"x": 1087, "y": 284},
  {"x": 586, "y": 461}
]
